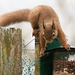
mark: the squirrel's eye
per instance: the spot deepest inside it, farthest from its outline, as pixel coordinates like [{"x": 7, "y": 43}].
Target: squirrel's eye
[{"x": 53, "y": 34}]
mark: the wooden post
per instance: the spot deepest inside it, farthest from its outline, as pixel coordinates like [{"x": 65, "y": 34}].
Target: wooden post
[
  {"x": 37, "y": 58},
  {"x": 10, "y": 51}
]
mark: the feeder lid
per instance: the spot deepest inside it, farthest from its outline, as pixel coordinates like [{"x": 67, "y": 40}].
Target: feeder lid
[{"x": 53, "y": 45}]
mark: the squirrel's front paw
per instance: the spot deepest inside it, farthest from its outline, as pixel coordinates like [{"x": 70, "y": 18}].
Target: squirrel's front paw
[
  {"x": 67, "y": 47},
  {"x": 41, "y": 53}
]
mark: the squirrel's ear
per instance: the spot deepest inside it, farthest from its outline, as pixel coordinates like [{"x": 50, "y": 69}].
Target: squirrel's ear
[
  {"x": 43, "y": 26},
  {"x": 53, "y": 25}
]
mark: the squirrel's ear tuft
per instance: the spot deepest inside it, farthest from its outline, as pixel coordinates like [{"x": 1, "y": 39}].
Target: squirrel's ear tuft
[
  {"x": 53, "y": 25},
  {"x": 43, "y": 26}
]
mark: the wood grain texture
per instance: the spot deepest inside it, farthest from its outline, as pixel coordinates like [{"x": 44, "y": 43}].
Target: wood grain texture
[
  {"x": 37, "y": 56},
  {"x": 10, "y": 51}
]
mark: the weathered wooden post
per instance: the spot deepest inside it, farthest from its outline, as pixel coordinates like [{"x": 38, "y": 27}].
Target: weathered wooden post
[
  {"x": 37, "y": 57},
  {"x": 10, "y": 51}
]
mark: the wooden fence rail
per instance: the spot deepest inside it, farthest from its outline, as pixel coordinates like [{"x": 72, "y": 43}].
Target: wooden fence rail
[{"x": 10, "y": 51}]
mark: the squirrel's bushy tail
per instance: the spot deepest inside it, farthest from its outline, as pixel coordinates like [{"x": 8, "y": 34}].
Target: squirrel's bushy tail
[{"x": 13, "y": 17}]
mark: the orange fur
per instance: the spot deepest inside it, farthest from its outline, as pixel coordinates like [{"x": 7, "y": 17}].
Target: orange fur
[
  {"x": 42, "y": 18},
  {"x": 13, "y": 17}
]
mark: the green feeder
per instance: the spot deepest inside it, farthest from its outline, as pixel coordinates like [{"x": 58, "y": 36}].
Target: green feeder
[
  {"x": 53, "y": 45},
  {"x": 46, "y": 63}
]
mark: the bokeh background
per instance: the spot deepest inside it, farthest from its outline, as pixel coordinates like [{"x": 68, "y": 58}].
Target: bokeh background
[{"x": 64, "y": 8}]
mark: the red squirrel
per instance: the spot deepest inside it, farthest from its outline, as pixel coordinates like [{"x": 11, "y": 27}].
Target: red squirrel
[{"x": 42, "y": 18}]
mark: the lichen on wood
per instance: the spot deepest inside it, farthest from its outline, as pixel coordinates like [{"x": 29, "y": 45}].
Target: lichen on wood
[
  {"x": 10, "y": 51},
  {"x": 37, "y": 56}
]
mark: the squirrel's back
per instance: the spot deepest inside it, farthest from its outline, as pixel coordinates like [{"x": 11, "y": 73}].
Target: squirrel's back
[{"x": 32, "y": 16}]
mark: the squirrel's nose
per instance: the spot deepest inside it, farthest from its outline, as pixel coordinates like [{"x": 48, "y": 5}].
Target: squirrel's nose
[{"x": 49, "y": 41}]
